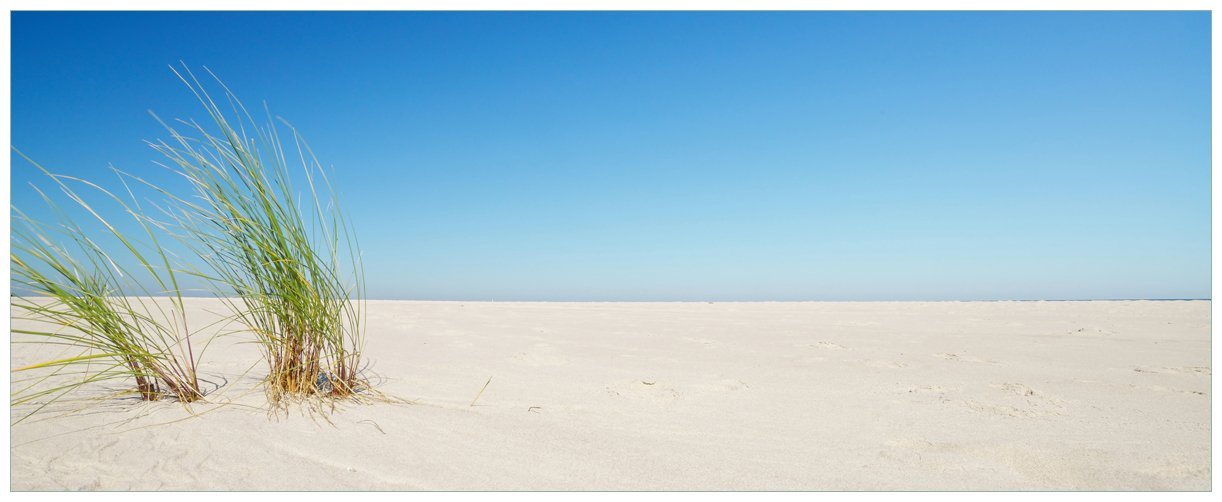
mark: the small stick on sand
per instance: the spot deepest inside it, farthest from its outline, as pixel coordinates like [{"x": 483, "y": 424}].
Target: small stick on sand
[{"x": 481, "y": 391}]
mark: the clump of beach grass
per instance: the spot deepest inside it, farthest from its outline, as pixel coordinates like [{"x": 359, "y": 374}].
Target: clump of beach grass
[
  {"x": 76, "y": 290},
  {"x": 277, "y": 250}
]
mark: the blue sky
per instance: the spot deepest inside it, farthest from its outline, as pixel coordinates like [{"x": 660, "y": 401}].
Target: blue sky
[{"x": 690, "y": 156}]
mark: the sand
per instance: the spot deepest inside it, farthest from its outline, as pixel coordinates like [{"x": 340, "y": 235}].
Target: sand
[{"x": 683, "y": 396}]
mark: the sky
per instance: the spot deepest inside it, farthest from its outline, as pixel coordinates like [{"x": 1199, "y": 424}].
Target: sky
[{"x": 688, "y": 156}]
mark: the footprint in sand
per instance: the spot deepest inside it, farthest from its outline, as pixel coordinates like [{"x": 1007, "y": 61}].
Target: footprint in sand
[
  {"x": 914, "y": 450},
  {"x": 925, "y": 394},
  {"x": 856, "y": 323},
  {"x": 1177, "y": 370},
  {"x": 649, "y": 391},
  {"x": 951, "y": 356},
  {"x": 1018, "y": 401},
  {"x": 724, "y": 385},
  {"x": 1090, "y": 331},
  {"x": 923, "y": 389},
  {"x": 1160, "y": 388},
  {"x": 1016, "y": 389},
  {"x": 712, "y": 344},
  {"x": 821, "y": 345},
  {"x": 540, "y": 354},
  {"x": 878, "y": 363}
]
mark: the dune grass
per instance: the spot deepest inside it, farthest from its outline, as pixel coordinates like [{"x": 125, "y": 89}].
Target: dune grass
[
  {"x": 268, "y": 239},
  {"x": 85, "y": 307},
  {"x": 279, "y": 253}
]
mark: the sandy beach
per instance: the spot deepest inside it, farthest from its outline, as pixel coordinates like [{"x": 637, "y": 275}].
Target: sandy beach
[{"x": 680, "y": 396}]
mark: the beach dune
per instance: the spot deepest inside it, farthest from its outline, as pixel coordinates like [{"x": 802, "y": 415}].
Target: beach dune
[{"x": 1101, "y": 395}]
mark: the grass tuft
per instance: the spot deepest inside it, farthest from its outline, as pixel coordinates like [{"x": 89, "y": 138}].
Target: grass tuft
[
  {"x": 276, "y": 248},
  {"x": 86, "y": 308}
]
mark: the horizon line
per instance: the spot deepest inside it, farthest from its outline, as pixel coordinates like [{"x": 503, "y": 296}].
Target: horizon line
[{"x": 493, "y": 300}]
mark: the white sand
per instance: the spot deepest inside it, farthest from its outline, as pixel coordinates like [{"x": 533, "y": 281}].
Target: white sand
[{"x": 682, "y": 396}]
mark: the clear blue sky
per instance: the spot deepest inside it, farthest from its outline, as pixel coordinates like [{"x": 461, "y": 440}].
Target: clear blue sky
[{"x": 691, "y": 156}]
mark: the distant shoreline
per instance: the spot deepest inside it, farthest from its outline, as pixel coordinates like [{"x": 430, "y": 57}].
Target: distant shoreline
[
  {"x": 798, "y": 301},
  {"x": 188, "y": 297}
]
